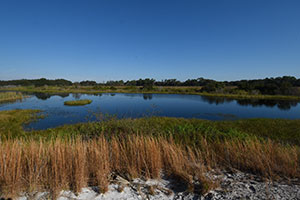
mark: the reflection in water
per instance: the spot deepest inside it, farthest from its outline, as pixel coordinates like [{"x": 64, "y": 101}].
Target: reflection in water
[
  {"x": 216, "y": 100},
  {"x": 131, "y": 94},
  {"x": 42, "y": 96},
  {"x": 97, "y": 94},
  {"x": 76, "y": 95},
  {"x": 147, "y": 96},
  {"x": 281, "y": 104},
  {"x": 45, "y": 96}
]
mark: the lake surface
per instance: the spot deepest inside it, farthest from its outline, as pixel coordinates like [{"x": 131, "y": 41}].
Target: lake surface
[{"x": 140, "y": 105}]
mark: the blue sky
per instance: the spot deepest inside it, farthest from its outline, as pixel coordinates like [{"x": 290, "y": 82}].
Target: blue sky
[{"x": 128, "y": 39}]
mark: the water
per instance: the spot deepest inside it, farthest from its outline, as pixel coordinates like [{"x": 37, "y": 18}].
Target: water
[{"x": 139, "y": 105}]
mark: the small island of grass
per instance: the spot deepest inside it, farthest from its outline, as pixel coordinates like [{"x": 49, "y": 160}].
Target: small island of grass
[
  {"x": 10, "y": 96},
  {"x": 78, "y": 102}
]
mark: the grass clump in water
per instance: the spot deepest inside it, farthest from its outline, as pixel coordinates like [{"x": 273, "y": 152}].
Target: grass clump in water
[
  {"x": 10, "y": 96},
  {"x": 78, "y": 102}
]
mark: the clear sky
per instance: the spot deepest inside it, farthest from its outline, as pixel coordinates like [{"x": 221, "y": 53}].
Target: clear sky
[{"x": 129, "y": 39}]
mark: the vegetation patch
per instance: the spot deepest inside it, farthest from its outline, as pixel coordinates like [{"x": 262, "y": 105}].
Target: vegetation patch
[
  {"x": 75, "y": 163},
  {"x": 78, "y": 102},
  {"x": 10, "y": 96},
  {"x": 75, "y": 156},
  {"x": 12, "y": 121},
  {"x": 195, "y": 90},
  {"x": 283, "y": 88}
]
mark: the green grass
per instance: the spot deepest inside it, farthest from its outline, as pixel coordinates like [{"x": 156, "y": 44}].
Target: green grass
[
  {"x": 190, "y": 131},
  {"x": 137, "y": 89},
  {"x": 78, "y": 102},
  {"x": 10, "y": 96},
  {"x": 184, "y": 131},
  {"x": 12, "y": 121}
]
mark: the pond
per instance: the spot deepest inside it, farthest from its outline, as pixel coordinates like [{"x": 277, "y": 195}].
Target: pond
[{"x": 141, "y": 105}]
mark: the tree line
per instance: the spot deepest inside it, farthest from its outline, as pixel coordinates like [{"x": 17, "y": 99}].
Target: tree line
[
  {"x": 286, "y": 85},
  {"x": 36, "y": 82}
]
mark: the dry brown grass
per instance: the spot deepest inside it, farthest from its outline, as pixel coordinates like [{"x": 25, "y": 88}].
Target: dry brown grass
[
  {"x": 73, "y": 164},
  {"x": 267, "y": 158},
  {"x": 11, "y": 167},
  {"x": 136, "y": 156},
  {"x": 98, "y": 160},
  {"x": 186, "y": 165}
]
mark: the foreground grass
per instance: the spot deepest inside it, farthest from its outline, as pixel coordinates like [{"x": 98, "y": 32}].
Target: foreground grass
[
  {"x": 137, "y": 89},
  {"x": 10, "y": 96},
  {"x": 81, "y": 102},
  {"x": 29, "y": 166},
  {"x": 75, "y": 156}
]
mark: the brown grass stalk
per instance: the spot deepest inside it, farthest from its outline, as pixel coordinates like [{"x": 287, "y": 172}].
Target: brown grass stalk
[
  {"x": 98, "y": 163},
  {"x": 73, "y": 164}
]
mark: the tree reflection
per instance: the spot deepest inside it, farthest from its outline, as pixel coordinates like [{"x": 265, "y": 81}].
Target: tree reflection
[
  {"x": 281, "y": 104},
  {"x": 45, "y": 96},
  {"x": 76, "y": 95},
  {"x": 147, "y": 96},
  {"x": 216, "y": 100}
]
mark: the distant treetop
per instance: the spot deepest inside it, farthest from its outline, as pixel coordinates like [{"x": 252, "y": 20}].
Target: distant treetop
[{"x": 286, "y": 85}]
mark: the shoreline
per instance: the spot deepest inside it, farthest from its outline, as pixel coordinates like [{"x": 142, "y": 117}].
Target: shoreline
[
  {"x": 232, "y": 185},
  {"x": 136, "y": 91}
]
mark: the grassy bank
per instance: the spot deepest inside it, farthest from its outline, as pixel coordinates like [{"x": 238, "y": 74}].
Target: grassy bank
[
  {"x": 81, "y": 102},
  {"x": 137, "y": 89},
  {"x": 74, "y": 164},
  {"x": 183, "y": 131},
  {"x": 75, "y": 156},
  {"x": 10, "y": 96},
  {"x": 11, "y": 123}
]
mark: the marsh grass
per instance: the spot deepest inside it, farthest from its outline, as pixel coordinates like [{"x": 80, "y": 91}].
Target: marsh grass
[
  {"x": 75, "y": 156},
  {"x": 184, "y": 131},
  {"x": 196, "y": 90},
  {"x": 56, "y": 165},
  {"x": 81, "y": 102},
  {"x": 12, "y": 121},
  {"x": 10, "y": 96}
]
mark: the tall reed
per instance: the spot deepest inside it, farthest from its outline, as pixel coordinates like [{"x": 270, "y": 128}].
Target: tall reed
[{"x": 31, "y": 165}]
